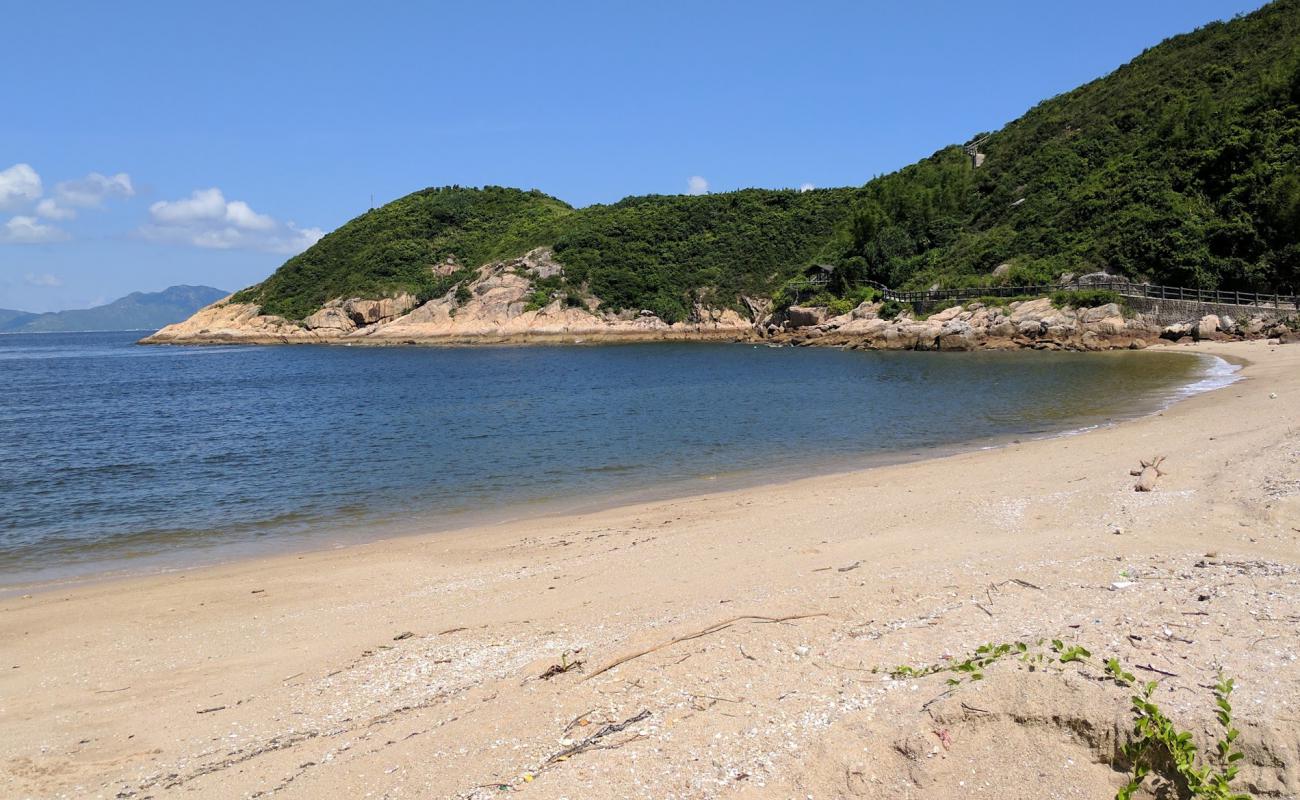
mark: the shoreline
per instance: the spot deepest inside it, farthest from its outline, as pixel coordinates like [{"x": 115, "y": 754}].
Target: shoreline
[
  {"x": 113, "y": 568},
  {"x": 410, "y": 667}
]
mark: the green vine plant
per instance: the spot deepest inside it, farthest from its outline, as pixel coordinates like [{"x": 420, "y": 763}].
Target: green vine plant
[
  {"x": 1155, "y": 737},
  {"x": 1156, "y": 746}
]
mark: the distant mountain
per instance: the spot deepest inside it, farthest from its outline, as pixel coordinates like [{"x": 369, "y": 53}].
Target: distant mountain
[
  {"x": 11, "y": 319},
  {"x": 136, "y": 311}
]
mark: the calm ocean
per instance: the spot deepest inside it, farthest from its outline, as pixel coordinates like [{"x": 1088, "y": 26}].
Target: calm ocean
[{"x": 116, "y": 456}]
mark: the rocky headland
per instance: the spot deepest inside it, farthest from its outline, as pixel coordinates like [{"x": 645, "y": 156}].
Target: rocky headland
[
  {"x": 501, "y": 304},
  {"x": 1022, "y": 324},
  {"x": 498, "y": 305}
]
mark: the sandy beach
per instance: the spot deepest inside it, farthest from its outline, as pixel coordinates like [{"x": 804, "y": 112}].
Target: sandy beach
[{"x": 479, "y": 663}]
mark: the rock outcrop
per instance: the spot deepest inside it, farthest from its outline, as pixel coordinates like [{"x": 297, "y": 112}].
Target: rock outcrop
[
  {"x": 501, "y": 303},
  {"x": 502, "y": 307},
  {"x": 1035, "y": 324}
]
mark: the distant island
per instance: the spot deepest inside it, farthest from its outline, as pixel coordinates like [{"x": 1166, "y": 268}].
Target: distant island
[
  {"x": 1180, "y": 168},
  {"x": 137, "y": 311}
]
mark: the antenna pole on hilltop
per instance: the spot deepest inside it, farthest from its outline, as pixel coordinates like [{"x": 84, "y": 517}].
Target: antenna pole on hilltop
[{"x": 372, "y": 201}]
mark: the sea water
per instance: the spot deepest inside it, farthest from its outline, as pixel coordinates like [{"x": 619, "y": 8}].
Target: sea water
[{"x": 116, "y": 456}]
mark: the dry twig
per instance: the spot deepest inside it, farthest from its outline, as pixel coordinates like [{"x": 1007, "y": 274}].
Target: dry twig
[
  {"x": 594, "y": 739},
  {"x": 714, "y": 628}
]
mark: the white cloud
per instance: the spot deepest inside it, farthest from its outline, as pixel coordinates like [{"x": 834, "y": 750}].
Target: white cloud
[
  {"x": 92, "y": 190},
  {"x": 28, "y": 230},
  {"x": 206, "y": 219},
  {"x": 241, "y": 216},
  {"x": 806, "y": 187},
  {"x": 697, "y": 185},
  {"x": 44, "y": 280},
  {"x": 19, "y": 185},
  {"x": 50, "y": 209},
  {"x": 202, "y": 205}
]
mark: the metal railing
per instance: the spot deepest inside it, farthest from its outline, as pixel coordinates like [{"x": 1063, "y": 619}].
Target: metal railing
[{"x": 1122, "y": 288}]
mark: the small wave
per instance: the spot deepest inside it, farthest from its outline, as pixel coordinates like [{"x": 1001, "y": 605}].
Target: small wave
[{"x": 1219, "y": 374}]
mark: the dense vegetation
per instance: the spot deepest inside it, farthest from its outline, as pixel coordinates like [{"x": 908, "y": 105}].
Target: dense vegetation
[
  {"x": 1182, "y": 167},
  {"x": 664, "y": 253},
  {"x": 394, "y": 248}
]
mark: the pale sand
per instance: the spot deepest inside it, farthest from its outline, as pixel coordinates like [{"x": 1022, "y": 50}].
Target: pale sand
[{"x": 101, "y": 687}]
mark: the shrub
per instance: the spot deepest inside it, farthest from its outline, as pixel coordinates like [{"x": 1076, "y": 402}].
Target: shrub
[
  {"x": 942, "y": 305},
  {"x": 1085, "y": 298},
  {"x": 1002, "y": 302},
  {"x": 539, "y": 299},
  {"x": 890, "y": 309}
]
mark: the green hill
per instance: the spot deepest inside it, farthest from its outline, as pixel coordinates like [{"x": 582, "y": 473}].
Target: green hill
[
  {"x": 1181, "y": 167},
  {"x": 394, "y": 248}
]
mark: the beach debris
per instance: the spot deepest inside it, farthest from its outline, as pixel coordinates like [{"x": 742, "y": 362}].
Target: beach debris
[
  {"x": 1016, "y": 581},
  {"x": 1155, "y": 669},
  {"x": 850, "y": 567},
  {"x": 945, "y": 738},
  {"x": 451, "y": 630},
  {"x": 257, "y": 591},
  {"x": 209, "y": 710},
  {"x": 1148, "y": 474},
  {"x": 564, "y": 666},
  {"x": 579, "y": 721},
  {"x": 403, "y": 635},
  {"x": 1118, "y": 585},
  {"x": 714, "y": 628},
  {"x": 595, "y": 739}
]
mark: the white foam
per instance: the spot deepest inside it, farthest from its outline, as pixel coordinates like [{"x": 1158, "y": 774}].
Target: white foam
[{"x": 1217, "y": 375}]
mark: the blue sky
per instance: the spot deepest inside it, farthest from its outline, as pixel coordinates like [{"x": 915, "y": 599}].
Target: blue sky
[{"x": 150, "y": 144}]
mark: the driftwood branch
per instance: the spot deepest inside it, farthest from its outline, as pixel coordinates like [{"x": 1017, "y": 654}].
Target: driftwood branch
[
  {"x": 594, "y": 739},
  {"x": 1148, "y": 474},
  {"x": 714, "y": 628}
]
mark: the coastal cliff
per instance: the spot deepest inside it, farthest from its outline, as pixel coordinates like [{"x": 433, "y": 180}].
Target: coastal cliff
[
  {"x": 499, "y": 303},
  {"x": 506, "y": 302}
]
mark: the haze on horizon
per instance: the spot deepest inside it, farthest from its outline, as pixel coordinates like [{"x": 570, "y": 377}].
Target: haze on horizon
[{"x": 183, "y": 145}]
